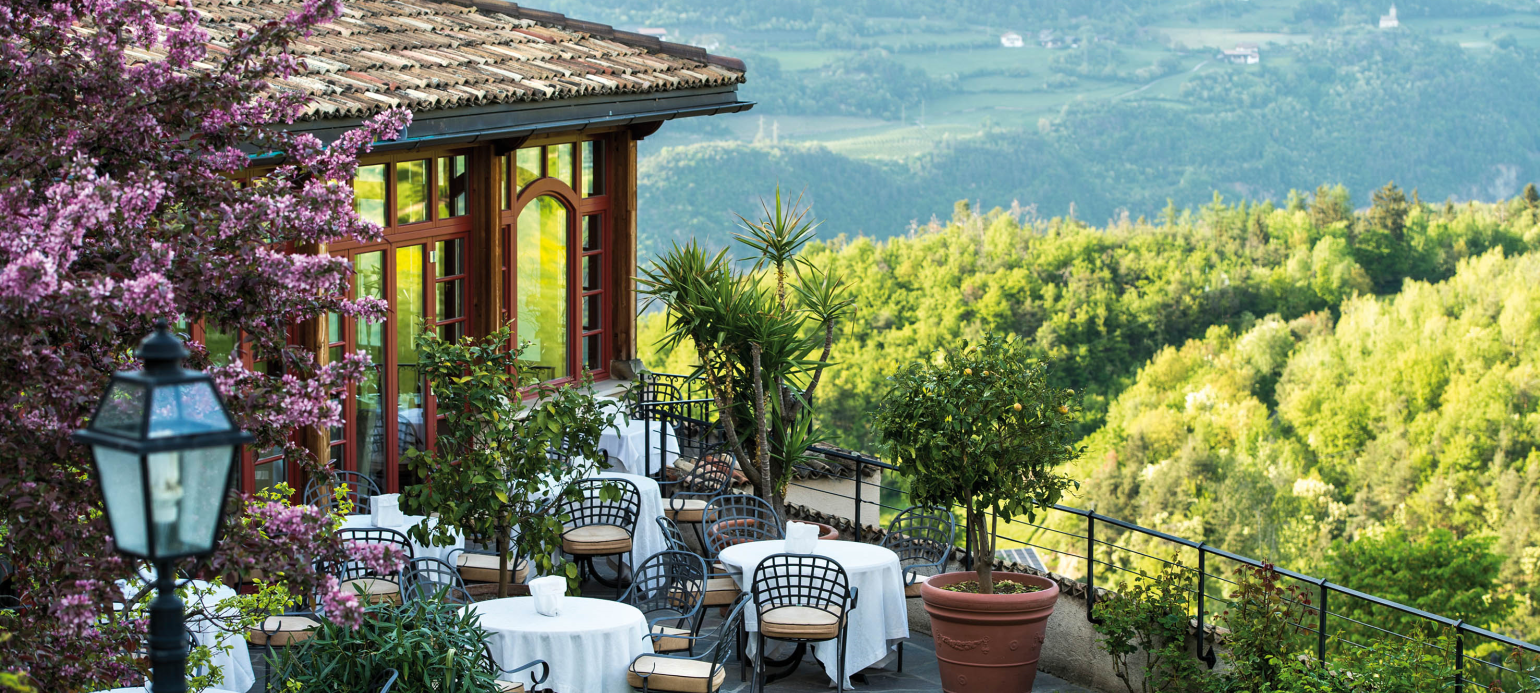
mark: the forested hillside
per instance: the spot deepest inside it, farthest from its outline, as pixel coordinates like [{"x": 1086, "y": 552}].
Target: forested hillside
[{"x": 1358, "y": 109}]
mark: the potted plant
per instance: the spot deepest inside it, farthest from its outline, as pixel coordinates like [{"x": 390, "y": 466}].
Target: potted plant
[{"x": 981, "y": 428}]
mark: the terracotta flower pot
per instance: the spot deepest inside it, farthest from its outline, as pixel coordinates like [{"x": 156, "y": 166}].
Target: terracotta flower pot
[
  {"x": 825, "y": 532},
  {"x": 988, "y": 642}
]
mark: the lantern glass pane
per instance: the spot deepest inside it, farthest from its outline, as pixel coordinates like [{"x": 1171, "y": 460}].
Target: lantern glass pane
[
  {"x": 123, "y": 490},
  {"x": 187, "y": 409},
  {"x": 186, "y": 494},
  {"x": 122, "y": 411}
]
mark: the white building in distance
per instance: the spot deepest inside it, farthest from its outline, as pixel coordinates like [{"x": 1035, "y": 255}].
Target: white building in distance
[
  {"x": 1011, "y": 39},
  {"x": 1390, "y": 21}
]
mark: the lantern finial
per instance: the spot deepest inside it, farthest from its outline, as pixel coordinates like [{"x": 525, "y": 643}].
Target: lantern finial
[{"x": 161, "y": 351}]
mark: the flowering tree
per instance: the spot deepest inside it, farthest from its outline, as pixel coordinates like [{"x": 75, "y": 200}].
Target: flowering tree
[{"x": 122, "y": 139}]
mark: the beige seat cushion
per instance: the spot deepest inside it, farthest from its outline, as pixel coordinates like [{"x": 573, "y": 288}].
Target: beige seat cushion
[
  {"x": 282, "y": 631},
  {"x": 668, "y": 643},
  {"x": 675, "y": 675},
  {"x": 596, "y": 540},
  {"x": 684, "y": 509},
  {"x": 509, "y": 686},
  {"x": 376, "y": 589},
  {"x": 721, "y": 592},
  {"x": 482, "y": 567},
  {"x": 799, "y": 622},
  {"x": 912, "y": 589}
]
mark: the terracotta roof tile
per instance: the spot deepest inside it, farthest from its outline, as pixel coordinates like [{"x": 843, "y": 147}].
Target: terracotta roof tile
[{"x": 432, "y": 54}]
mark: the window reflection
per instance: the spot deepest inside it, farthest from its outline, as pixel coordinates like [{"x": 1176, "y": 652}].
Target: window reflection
[
  {"x": 542, "y": 284},
  {"x": 593, "y": 169},
  {"x": 527, "y": 167},
  {"x": 558, "y": 162},
  {"x": 453, "y": 182},
  {"x": 410, "y": 316},
  {"x": 412, "y": 192},
  {"x": 369, "y": 193},
  {"x": 369, "y": 431}
]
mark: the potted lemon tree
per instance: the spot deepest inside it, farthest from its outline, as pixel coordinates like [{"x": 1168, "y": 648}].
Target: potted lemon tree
[{"x": 979, "y": 428}]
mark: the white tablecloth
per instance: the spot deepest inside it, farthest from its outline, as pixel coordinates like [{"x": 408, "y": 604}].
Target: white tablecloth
[
  {"x": 629, "y": 447},
  {"x": 648, "y": 539},
  {"x": 589, "y": 644},
  {"x": 236, "y": 663},
  {"x": 408, "y": 521},
  {"x": 880, "y": 618}
]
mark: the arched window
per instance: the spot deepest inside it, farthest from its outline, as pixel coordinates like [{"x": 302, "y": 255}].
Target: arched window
[{"x": 544, "y": 228}]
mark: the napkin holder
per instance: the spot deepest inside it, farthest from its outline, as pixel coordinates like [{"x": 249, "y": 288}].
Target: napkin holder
[
  {"x": 801, "y": 538},
  {"x": 385, "y": 510},
  {"x": 548, "y": 592}
]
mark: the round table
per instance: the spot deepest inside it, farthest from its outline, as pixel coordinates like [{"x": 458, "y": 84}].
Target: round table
[
  {"x": 640, "y": 447},
  {"x": 235, "y": 663},
  {"x": 589, "y": 645},
  {"x": 880, "y": 618},
  {"x": 407, "y": 522}
]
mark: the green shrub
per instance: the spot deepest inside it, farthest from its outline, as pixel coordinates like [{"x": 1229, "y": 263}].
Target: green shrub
[
  {"x": 434, "y": 647},
  {"x": 1150, "y": 615}
]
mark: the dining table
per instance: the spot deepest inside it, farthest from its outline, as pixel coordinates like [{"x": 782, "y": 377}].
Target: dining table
[
  {"x": 228, "y": 648},
  {"x": 419, "y": 550},
  {"x": 644, "y": 448},
  {"x": 589, "y": 644},
  {"x": 881, "y": 616}
]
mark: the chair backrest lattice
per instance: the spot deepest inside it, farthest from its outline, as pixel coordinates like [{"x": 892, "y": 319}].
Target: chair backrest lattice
[
  {"x": 668, "y": 584},
  {"x": 737, "y": 519},
  {"x": 789, "y": 579},
  {"x": 426, "y": 577},
  {"x": 319, "y": 491},
  {"x": 353, "y": 568},
  {"x": 671, "y": 534},
  {"x": 591, "y": 508},
  {"x": 708, "y": 479},
  {"x": 922, "y": 536}
]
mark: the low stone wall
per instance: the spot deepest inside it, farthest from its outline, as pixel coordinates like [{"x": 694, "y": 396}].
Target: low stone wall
[{"x": 1071, "y": 650}]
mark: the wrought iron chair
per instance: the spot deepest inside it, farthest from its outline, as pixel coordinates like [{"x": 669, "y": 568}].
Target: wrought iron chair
[
  {"x": 596, "y": 527},
  {"x": 685, "y": 500},
  {"x": 477, "y": 565},
  {"x": 384, "y": 680},
  {"x": 294, "y": 626},
  {"x": 489, "y": 663},
  {"x": 802, "y": 598},
  {"x": 428, "y": 578},
  {"x": 672, "y": 536},
  {"x": 721, "y": 589},
  {"x": 318, "y": 491},
  {"x": 738, "y": 518},
  {"x": 703, "y": 673},
  {"x": 922, "y": 536},
  {"x": 358, "y": 576},
  {"x": 648, "y": 391},
  {"x": 668, "y": 583}
]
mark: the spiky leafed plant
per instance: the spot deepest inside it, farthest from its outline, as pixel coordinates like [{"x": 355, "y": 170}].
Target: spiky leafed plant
[{"x": 761, "y": 351}]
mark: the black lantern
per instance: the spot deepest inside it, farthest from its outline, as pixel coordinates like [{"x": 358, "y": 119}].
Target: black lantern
[{"x": 164, "y": 446}]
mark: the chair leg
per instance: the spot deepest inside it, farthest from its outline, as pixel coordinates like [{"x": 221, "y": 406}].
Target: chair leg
[
  {"x": 840, "y": 684},
  {"x": 900, "y": 656},
  {"x": 759, "y": 665}
]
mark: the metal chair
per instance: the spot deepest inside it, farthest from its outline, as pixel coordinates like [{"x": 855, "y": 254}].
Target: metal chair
[
  {"x": 922, "y": 536},
  {"x": 358, "y": 576},
  {"x": 481, "y": 566},
  {"x": 721, "y": 589},
  {"x": 489, "y": 663},
  {"x": 672, "y": 536},
  {"x": 596, "y": 527},
  {"x": 685, "y": 500},
  {"x": 703, "y": 673},
  {"x": 669, "y": 583},
  {"x": 648, "y": 391},
  {"x": 318, "y": 491},
  {"x": 738, "y": 518},
  {"x": 294, "y": 626},
  {"x": 384, "y": 680},
  {"x": 427, "y": 578},
  {"x": 802, "y": 598}
]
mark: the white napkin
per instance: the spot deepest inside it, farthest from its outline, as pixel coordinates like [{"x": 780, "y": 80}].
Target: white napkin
[
  {"x": 385, "y": 510},
  {"x": 548, "y": 592},
  {"x": 801, "y": 537}
]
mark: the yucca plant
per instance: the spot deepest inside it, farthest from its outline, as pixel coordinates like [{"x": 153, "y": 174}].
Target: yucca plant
[{"x": 762, "y": 337}]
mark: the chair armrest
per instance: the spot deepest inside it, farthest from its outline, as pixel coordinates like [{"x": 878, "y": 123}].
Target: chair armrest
[
  {"x": 545, "y": 671},
  {"x": 855, "y": 598}
]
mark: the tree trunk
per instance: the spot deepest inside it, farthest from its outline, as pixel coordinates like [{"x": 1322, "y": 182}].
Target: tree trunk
[
  {"x": 502, "y": 561},
  {"x": 762, "y": 426},
  {"x": 984, "y": 562}
]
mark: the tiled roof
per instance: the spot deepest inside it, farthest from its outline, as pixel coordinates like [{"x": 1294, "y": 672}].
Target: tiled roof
[{"x": 428, "y": 55}]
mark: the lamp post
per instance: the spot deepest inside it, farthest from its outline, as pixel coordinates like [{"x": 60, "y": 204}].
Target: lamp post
[{"x": 163, "y": 445}]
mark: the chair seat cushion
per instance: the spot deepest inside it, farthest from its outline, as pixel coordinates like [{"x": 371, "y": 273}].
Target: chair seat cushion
[
  {"x": 675, "y": 675},
  {"x": 684, "y": 509},
  {"x": 669, "y": 643},
  {"x": 376, "y": 589},
  {"x": 482, "y": 567},
  {"x": 596, "y": 540},
  {"x": 912, "y": 589},
  {"x": 509, "y": 686},
  {"x": 721, "y": 591},
  {"x": 281, "y": 631},
  {"x": 799, "y": 622}
]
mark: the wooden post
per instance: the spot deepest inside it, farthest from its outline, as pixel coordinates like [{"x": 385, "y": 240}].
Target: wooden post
[
  {"x": 486, "y": 243},
  {"x": 312, "y": 336},
  {"x": 623, "y": 242}
]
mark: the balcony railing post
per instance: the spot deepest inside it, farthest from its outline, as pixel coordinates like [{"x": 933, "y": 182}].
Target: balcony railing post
[
  {"x": 1459, "y": 656},
  {"x": 1320, "y": 628},
  {"x": 1090, "y": 567},
  {"x": 857, "y": 517},
  {"x": 1207, "y": 657}
]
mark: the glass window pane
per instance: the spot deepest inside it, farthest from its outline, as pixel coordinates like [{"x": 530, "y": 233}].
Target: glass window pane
[
  {"x": 452, "y": 332},
  {"x": 592, "y": 236},
  {"x": 368, "y": 424},
  {"x": 558, "y": 162},
  {"x": 591, "y": 272},
  {"x": 122, "y": 483},
  {"x": 186, "y": 409},
  {"x": 592, "y": 352},
  {"x": 542, "y": 284},
  {"x": 527, "y": 167},
  {"x": 333, "y": 328},
  {"x": 122, "y": 410},
  {"x": 453, "y": 184},
  {"x": 591, "y": 312},
  {"x": 369, "y": 193},
  {"x": 269, "y": 474},
  {"x": 593, "y": 169},
  {"x": 411, "y": 308},
  {"x": 220, "y": 345},
  {"x": 411, "y": 192},
  {"x": 451, "y": 299},
  {"x": 451, "y": 258},
  {"x": 505, "y": 165}
]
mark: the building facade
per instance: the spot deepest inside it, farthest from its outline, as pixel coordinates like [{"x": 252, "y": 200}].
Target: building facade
[{"x": 510, "y": 198}]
